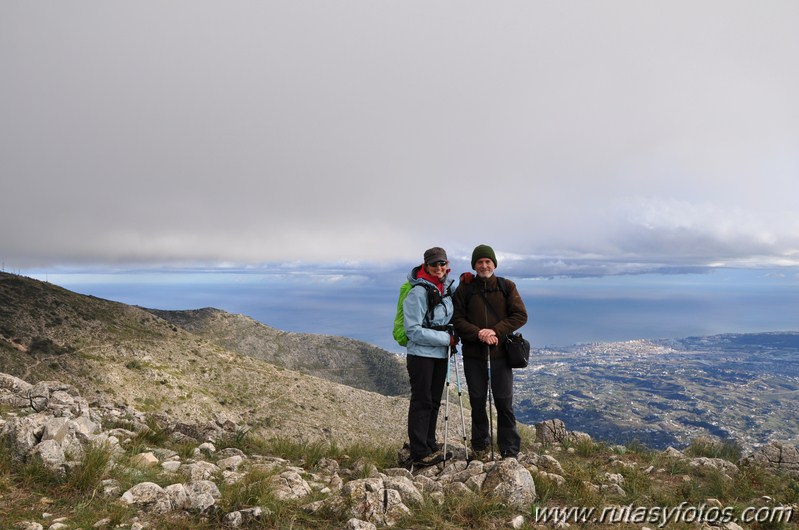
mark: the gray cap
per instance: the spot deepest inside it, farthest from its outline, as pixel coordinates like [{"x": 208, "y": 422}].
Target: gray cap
[{"x": 434, "y": 254}]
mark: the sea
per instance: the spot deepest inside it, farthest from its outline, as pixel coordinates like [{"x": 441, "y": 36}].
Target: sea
[{"x": 562, "y": 310}]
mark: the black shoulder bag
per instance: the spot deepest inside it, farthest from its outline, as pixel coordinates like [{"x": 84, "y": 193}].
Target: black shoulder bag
[{"x": 518, "y": 350}]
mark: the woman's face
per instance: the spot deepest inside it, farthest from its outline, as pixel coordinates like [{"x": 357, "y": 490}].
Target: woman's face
[{"x": 437, "y": 269}]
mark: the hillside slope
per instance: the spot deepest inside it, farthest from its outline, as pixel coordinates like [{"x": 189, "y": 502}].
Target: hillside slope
[
  {"x": 339, "y": 359},
  {"x": 127, "y": 355}
]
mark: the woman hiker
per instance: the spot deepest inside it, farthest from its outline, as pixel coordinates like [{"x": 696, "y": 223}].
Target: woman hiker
[{"x": 427, "y": 311}]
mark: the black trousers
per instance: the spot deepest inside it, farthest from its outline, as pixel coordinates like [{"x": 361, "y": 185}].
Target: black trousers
[
  {"x": 427, "y": 377},
  {"x": 476, "y": 371}
]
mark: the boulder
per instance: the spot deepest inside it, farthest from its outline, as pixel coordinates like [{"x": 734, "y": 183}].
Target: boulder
[
  {"x": 289, "y": 485},
  {"x": 150, "y": 497},
  {"x": 776, "y": 456},
  {"x": 21, "y": 434},
  {"x": 551, "y": 431},
  {"x": 51, "y": 455},
  {"x": 203, "y": 495},
  {"x": 369, "y": 500},
  {"x": 512, "y": 483},
  {"x": 704, "y": 462}
]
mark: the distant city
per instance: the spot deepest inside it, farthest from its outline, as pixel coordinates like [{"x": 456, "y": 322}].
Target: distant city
[{"x": 742, "y": 388}]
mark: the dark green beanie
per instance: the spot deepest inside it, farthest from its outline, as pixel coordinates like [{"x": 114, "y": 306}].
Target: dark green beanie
[{"x": 483, "y": 251}]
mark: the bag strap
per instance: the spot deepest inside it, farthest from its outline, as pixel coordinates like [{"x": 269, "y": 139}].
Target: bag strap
[
  {"x": 502, "y": 287},
  {"x": 434, "y": 297}
]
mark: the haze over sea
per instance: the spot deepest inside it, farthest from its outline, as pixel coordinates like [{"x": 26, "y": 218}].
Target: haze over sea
[{"x": 562, "y": 311}]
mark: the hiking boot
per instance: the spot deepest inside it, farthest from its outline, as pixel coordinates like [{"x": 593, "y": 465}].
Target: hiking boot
[
  {"x": 429, "y": 460},
  {"x": 484, "y": 455}
]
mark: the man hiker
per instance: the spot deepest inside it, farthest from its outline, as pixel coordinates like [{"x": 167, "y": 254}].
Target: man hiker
[{"x": 487, "y": 309}]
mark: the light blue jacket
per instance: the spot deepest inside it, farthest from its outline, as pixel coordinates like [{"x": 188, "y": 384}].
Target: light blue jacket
[{"x": 422, "y": 340}]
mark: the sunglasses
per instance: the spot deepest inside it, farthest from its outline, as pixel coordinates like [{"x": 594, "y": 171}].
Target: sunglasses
[{"x": 438, "y": 264}]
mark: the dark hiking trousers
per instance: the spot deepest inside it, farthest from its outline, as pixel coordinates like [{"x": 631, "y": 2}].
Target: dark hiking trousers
[
  {"x": 476, "y": 371},
  {"x": 427, "y": 377}
]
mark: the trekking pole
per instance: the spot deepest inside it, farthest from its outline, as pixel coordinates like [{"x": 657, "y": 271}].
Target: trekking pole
[
  {"x": 488, "y": 361},
  {"x": 446, "y": 405},
  {"x": 490, "y": 406},
  {"x": 460, "y": 399}
]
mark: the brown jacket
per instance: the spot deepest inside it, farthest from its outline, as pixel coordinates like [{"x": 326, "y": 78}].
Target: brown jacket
[{"x": 471, "y": 314}]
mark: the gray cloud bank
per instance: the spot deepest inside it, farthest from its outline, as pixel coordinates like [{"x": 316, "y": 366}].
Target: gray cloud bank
[{"x": 588, "y": 138}]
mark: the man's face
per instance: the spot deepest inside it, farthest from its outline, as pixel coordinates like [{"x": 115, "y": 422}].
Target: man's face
[{"x": 484, "y": 268}]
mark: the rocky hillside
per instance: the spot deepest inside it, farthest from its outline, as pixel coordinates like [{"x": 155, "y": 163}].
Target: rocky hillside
[
  {"x": 339, "y": 359},
  {"x": 125, "y": 355},
  {"x": 67, "y": 465}
]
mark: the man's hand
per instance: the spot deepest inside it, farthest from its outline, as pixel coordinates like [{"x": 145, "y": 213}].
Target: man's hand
[{"x": 489, "y": 336}]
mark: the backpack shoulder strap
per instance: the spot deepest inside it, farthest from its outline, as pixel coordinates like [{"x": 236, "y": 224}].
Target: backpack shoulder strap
[
  {"x": 474, "y": 288},
  {"x": 434, "y": 297},
  {"x": 502, "y": 286}
]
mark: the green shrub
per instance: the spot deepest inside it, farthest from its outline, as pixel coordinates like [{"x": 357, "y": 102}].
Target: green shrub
[
  {"x": 458, "y": 512},
  {"x": 586, "y": 447},
  {"x": 154, "y": 433},
  {"x": 545, "y": 487},
  {"x": 135, "y": 364},
  {"x": 253, "y": 490},
  {"x": 637, "y": 485},
  {"x": 87, "y": 476},
  {"x": 727, "y": 449},
  {"x": 47, "y": 347}
]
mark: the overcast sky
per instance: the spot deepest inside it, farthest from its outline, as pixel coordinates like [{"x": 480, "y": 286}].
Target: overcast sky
[{"x": 613, "y": 135}]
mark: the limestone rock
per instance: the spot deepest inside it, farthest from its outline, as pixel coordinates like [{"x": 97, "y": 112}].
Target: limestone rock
[
  {"x": 550, "y": 431},
  {"x": 149, "y": 496},
  {"x": 776, "y": 456},
  {"x": 512, "y": 483},
  {"x": 289, "y": 485}
]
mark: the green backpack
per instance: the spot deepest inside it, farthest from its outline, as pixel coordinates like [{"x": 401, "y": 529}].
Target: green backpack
[{"x": 433, "y": 299}]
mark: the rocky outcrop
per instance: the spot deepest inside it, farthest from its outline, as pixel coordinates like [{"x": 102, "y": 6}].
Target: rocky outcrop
[
  {"x": 57, "y": 427},
  {"x": 555, "y": 432},
  {"x": 197, "y": 496},
  {"x": 511, "y": 482},
  {"x": 776, "y": 456},
  {"x": 388, "y": 496}
]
